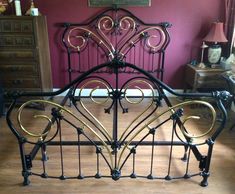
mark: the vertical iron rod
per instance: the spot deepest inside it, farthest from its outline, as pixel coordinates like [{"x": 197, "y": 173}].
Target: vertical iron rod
[
  {"x": 97, "y": 164},
  {"x": 88, "y": 57},
  {"x": 115, "y": 115},
  {"x": 79, "y": 158},
  {"x": 152, "y": 153},
  {"x": 69, "y": 65},
  {"x": 133, "y": 171},
  {"x": 171, "y": 149},
  {"x": 44, "y": 158},
  {"x": 187, "y": 166},
  {"x": 62, "y": 177}
]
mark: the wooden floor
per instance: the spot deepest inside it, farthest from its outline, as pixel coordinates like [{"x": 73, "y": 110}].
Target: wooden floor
[{"x": 221, "y": 181}]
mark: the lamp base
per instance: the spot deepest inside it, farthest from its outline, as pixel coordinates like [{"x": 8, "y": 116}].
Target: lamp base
[{"x": 214, "y": 54}]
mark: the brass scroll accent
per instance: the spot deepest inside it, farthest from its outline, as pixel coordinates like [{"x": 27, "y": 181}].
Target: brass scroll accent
[
  {"x": 84, "y": 107},
  {"x": 171, "y": 109},
  {"x": 104, "y": 25},
  {"x": 39, "y": 135},
  {"x": 136, "y": 38},
  {"x": 137, "y": 102},
  {"x": 94, "y": 37},
  {"x": 44, "y": 116}
]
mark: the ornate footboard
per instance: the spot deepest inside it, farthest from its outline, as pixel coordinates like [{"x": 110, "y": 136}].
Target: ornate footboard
[
  {"x": 116, "y": 120},
  {"x": 114, "y": 139}
]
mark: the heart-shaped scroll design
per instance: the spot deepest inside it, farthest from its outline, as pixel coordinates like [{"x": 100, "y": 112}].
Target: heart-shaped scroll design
[
  {"x": 125, "y": 28},
  {"x": 89, "y": 122}
]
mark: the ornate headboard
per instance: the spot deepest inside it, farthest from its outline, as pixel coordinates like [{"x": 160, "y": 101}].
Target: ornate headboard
[{"x": 116, "y": 34}]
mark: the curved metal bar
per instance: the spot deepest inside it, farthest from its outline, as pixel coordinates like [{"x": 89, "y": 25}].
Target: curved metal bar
[
  {"x": 85, "y": 108},
  {"x": 145, "y": 110},
  {"x": 132, "y": 30},
  {"x": 39, "y": 135},
  {"x": 97, "y": 39},
  {"x": 9, "y": 121},
  {"x": 105, "y": 21},
  {"x": 136, "y": 38},
  {"x": 183, "y": 131},
  {"x": 110, "y": 64},
  {"x": 105, "y": 27},
  {"x": 163, "y": 24},
  {"x": 71, "y": 114},
  {"x": 144, "y": 119},
  {"x": 166, "y": 87},
  {"x": 224, "y": 116}
]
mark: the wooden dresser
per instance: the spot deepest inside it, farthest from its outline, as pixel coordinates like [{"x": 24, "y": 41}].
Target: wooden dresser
[{"x": 24, "y": 54}]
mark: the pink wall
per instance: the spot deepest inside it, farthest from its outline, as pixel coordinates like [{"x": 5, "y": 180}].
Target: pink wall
[{"x": 190, "y": 20}]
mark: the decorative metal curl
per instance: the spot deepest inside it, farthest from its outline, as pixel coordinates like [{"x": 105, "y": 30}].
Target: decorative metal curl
[
  {"x": 130, "y": 31},
  {"x": 135, "y": 102},
  {"x": 171, "y": 109},
  {"x": 92, "y": 91},
  {"x": 106, "y": 19},
  {"x": 127, "y": 20},
  {"x": 136, "y": 38},
  {"x": 98, "y": 102},
  {"x": 131, "y": 102},
  {"x": 38, "y": 135},
  {"x": 99, "y": 41},
  {"x": 65, "y": 110},
  {"x": 162, "y": 38}
]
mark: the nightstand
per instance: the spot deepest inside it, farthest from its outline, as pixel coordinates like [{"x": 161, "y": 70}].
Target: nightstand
[{"x": 203, "y": 78}]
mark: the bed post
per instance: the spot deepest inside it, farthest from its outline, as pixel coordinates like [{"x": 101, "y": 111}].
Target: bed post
[
  {"x": 205, "y": 172},
  {"x": 25, "y": 171}
]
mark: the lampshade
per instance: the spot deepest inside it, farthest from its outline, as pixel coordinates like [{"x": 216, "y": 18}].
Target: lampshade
[{"x": 216, "y": 33}]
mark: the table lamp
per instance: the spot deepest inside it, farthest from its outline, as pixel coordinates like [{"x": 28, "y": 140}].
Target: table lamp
[
  {"x": 202, "y": 64},
  {"x": 215, "y": 36}
]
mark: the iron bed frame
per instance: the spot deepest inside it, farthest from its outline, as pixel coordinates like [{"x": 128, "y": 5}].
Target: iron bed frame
[{"x": 130, "y": 55}]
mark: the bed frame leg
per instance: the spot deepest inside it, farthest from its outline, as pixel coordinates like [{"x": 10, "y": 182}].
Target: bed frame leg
[
  {"x": 204, "y": 182},
  {"x": 24, "y": 160},
  {"x": 26, "y": 181},
  {"x": 205, "y": 172}
]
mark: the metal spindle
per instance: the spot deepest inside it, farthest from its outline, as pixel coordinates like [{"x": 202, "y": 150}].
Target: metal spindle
[
  {"x": 98, "y": 175},
  {"x": 62, "y": 177},
  {"x": 150, "y": 176},
  {"x": 44, "y": 159},
  {"x": 79, "y": 159},
  {"x": 88, "y": 55},
  {"x": 79, "y": 62},
  {"x": 152, "y": 61},
  {"x": 187, "y": 166},
  {"x": 171, "y": 149}
]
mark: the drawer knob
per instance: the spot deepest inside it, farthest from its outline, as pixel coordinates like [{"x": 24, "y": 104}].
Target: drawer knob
[
  {"x": 16, "y": 68},
  {"x": 17, "y": 81}
]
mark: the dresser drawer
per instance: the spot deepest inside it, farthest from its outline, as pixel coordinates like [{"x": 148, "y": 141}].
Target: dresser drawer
[
  {"x": 15, "y": 55},
  {"x": 210, "y": 80},
  {"x": 19, "y": 26},
  {"x": 209, "y": 76},
  {"x": 17, "y": 41},
  {"x": 11, "y": 70},
  {"x": 211, "y": 84},
  {"x": 17, "y": 82}
]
